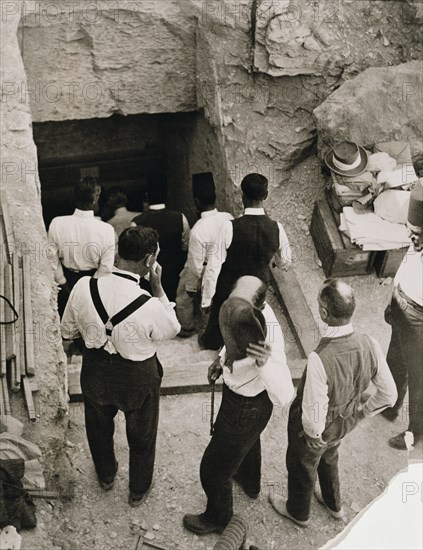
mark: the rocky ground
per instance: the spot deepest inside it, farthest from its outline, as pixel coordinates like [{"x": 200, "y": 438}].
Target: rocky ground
[{"x": 95, "y": 520}]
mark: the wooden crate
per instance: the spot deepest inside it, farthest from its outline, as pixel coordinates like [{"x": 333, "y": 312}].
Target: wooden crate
[
  {"x": 339, "y": 256},
  {"x": 387, "y": 262}
]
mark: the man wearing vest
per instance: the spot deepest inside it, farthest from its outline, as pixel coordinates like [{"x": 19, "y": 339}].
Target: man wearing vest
[
  {"x": 330, "y": 401},
  {"x": 173, "y": 230},
  {"x": 405, "y": 314},
  {"x": 120, "y": 324},
  {"x": 81, "y": 244},
  {"x": 202, "y": 239},
  {"x": 121, "y": 216},
  {"x": 245, "y": 246}
]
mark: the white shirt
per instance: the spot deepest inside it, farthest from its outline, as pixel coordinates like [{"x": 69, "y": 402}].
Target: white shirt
[
  {"x": 410, "y": 275},
  {"x": 316, "y": 399},
  {"x": 185, "y": 225},
  {"x": 218, "y": 257},
  {"x": 203, "y": 238},
  {"x": 134, "y": 338},
  {"x": 274, "y": 376},
  {"x": 81, "y": 242},
  {"x": 122, "y": 219}
]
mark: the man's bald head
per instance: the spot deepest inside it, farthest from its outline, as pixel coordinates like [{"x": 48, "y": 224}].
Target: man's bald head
[
  {"x": 250, "y": 288},
  {"x": 337, "y": 298}
]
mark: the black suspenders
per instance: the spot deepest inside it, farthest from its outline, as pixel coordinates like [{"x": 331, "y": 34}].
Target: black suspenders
[{"x": 111, "y": 322}]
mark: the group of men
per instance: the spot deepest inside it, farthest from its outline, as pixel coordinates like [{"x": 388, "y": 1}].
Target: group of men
[{"x": 223, "y": 264}]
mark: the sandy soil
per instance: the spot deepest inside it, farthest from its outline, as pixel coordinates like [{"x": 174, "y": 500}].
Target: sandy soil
[{"x": 95, "y": 520}]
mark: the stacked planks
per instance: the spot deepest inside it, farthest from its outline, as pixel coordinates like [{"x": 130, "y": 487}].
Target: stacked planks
[{"x": 17, "y": 359}]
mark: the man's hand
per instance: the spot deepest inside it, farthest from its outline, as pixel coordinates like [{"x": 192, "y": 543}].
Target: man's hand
[
  {"x": 156, "y": 280},
  {"x": 312, "y": 442},
  {"x": 260, "y": 352},
  {"x": 215, "y": 370}
]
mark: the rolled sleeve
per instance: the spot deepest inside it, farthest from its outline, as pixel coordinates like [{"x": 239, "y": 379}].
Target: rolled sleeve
[
  {"x": 216, "y": 259},
  {"x": 315, "y": 397},
  {"x": 164, "y": 323}
]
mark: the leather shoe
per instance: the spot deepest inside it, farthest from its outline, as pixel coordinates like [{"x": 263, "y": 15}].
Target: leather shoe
[
  {"x": 107, "y": 485},
  {"x": 200, "y": 526},
  {"x": 398, "y": 442},
  {"x": 319, "y": 497},
  {"x": 136, "y": 500},
  {"x": 390, "y": 414},
  {"x": 251, "y": 493},
  {"x": 280, "y": 506}
]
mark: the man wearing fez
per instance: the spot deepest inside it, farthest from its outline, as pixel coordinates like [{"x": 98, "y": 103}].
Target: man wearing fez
[
  {"x": 202, "y": 240},
  {"x": 405, "y": 314},
  {"x": 256, "y": 377},
  {"x": 173, "y": 229},
  {"x": 245, "y": 246},
  {"x": 121, "y": 325},
  {"x": 331, "y": 399}
]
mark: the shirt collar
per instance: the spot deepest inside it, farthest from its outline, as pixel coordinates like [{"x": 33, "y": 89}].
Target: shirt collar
[
  {"x": 121, "y": 210},
  {"x": 337, "y": 332},
  {"x": 209, "y": 213},
  {"x": 132, "y": 275},
  {"x": 84, "y": 213},
  {"x": 157, "y": 206},
  {"x": 254, "y": 212}
]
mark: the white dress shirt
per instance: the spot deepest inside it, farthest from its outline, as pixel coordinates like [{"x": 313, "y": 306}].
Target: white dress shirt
[
  {"x": 122, "y": 219},
  {"x": 218, "y": 256},
  {"x": 410, "y": 275},
  {"x": 316, "y": 398},
  {"x": 81, "y": 242},
  {"x": 274, "y": 376},
  {"x": 185, "y": 225},
  {"x": 134, "y": 338},
  {"x": 202, "y": 240}
]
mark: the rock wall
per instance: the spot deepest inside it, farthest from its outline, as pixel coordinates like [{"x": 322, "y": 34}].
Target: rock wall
[{"x": 20, "y": 185}]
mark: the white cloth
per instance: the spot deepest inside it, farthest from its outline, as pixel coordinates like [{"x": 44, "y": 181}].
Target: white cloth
[
  {"x": 379, "y": 162},
  {"x": 410, "y": 275},
  {"x": 202, "y": 241},
  {"x": 81, "y": 242},
  {"x": 185, "y": 225},
  {"x": 135, "y": 338},
  {"x": 218, "y": 256},
  {"x": 122, "y": 219},
  {"x": 403, "y": 175},
  {"x": 316, "y": 399},
  {"x": 392, "y": 205},
  {"x": 274, "y": 376},
  {"x": 371, "y": 232}
]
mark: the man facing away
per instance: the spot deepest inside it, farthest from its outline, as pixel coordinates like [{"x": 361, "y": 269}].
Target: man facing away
[
  {"x": 245, "y": 246},
  {"x": 252, "y": 385},
  {"x": 330, "y": 401},
  {"x": 117, "y": 201},
  {"x": 120, "y": 324},
  {"x": 173, "y": 230},
  {"x": 405, "y": 314},
  {"x": 81, "y": 244},
  {"x": 202, "y": 241}
]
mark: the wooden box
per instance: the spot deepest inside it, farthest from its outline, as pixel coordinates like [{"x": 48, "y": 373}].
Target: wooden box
[
  {"x": 339, "y": 256},
  {"x": 387, "y": 262}
]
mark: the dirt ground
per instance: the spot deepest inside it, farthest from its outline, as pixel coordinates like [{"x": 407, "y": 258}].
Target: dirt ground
[{"x": 96, "y": 520}]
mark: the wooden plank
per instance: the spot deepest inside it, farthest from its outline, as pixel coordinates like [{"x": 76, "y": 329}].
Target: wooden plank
[
  {"x": 2, "y": 328},
  {"x": 29, "y": 399},
  {"x": 17, "y": 291},
  {"x": 29, "y": 336},
  {"x": 9, "y": 316},
  {"x": 6, "y": 223},
  {"x": 5, "y": 395},
  {"x": 326, "y": 215},
  {"x": 22, "y": 359},
  {"x": 288, "y": 291}
]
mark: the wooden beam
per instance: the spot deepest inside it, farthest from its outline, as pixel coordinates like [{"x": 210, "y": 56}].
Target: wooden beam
[
  {"x": 29, "y": 399},
  {"x": 6, "y": 225},
  {"x": 300, "y": 318},
  {"x": 5, "y": 395},
  {"x": 29, "y": 336},
  {"x": 2, "y": 327}
]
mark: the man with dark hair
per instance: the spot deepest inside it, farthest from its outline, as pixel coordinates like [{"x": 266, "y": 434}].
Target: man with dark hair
[
  {"x": 245, "y": 246},
  {"x": 80, "y": 244},
  {"x": 256, "y": 377},
  {"x": 117, "y": 202},
  {"x": 120, "y": 324},
  {"x": 202, "y": 239},
  {"x": 173, "y": 229},
  {"x": 405, "y": 315},
  {"x": 331, "y": 399}
]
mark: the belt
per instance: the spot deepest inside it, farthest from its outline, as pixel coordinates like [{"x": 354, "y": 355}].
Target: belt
[{"x": 403, "y": 300}]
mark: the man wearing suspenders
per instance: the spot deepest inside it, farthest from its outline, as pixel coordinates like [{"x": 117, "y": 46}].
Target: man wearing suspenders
[{"x": 120, "y": 324}]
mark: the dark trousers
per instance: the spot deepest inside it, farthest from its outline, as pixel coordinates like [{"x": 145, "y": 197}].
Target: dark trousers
[
  {"x": 211, "y": 337},
  {"x": 405, "y": 358},
  {"x": 234, "y": 449},
  {"x": 110, "y": 383},
  {"x": 64, "y": 291}
]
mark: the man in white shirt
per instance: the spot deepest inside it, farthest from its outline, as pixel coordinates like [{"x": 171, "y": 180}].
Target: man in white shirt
[
  {"x": 245, "y": 246},
  {"x": 202, "y": 242},
  {"x": 331, "y": 399},
  {"x": 80, "y": 244},
  {"x": 405, "y": 314},
  {"x": 122, "y": 217},
  {"x": 252, "y": 385},
  {"x": 120, "y": 324}
]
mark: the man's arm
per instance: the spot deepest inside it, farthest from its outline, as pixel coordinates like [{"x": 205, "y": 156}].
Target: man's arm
[
  {"x": 185, "y": 233},
  {"x": 315, "y": 401},
  {"x": 386, "y": 391},
  {"x": 54, "y": 256},
  {"x": 283, "y": 256},
  {"x": 107, "y": 258},
  {"x": 214, "y": 264},
  {"x": 68, "y": 326},
  {"x": 196, "y": 254},
  {"x": 164, "y": 323}
]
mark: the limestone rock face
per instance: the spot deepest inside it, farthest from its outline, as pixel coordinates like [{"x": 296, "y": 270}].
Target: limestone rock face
[
  {"x": 93, "y": 59},
  {"x": 380, "y": 104}
]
